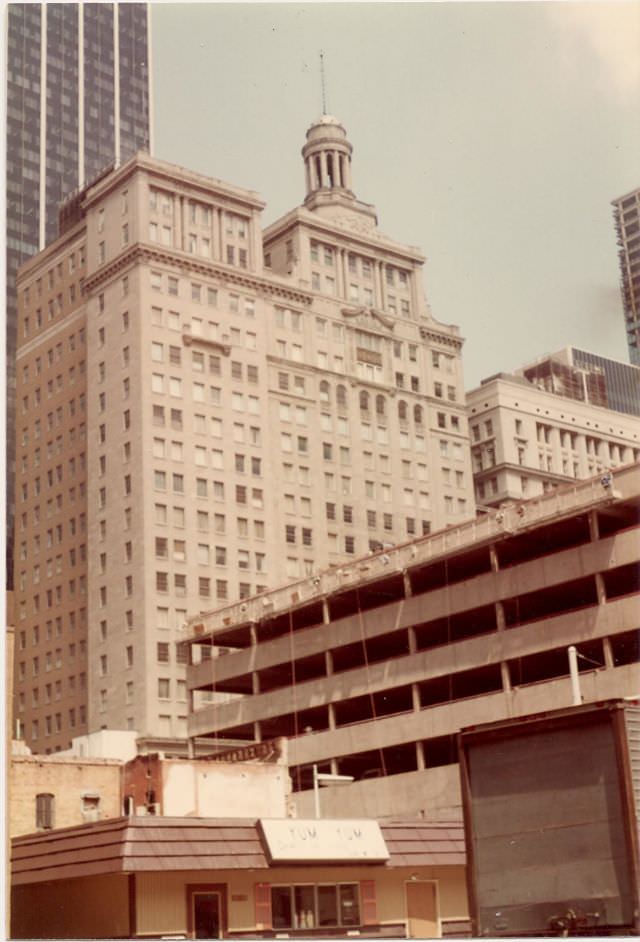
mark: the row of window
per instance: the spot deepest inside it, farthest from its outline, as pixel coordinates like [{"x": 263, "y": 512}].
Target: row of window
[
  {"x": 204, "y": 584},
  {"x": 54, "y": 662},
  {"x": 201, "y": 214},
  {"x": 206, "y": 555},
  {"x": 55, "y": 475},
  {"x": 75, "y": 259},
  {"x": 358, "y": 265},
  {"x": 359, "y": 294},
  {"x": 55, "y": 306},
  {"x": 243, "y": 494},
  {"x": 55, "y": 303},
  {"x": 204, "y": 520},
  {"x": 202, "y": 294},
  {"x": 52, "y": 693},
  {"x": 55, "y": 353}
]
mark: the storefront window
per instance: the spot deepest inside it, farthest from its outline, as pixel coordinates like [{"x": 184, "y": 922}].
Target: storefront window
[{"x": 309, "y": 907}]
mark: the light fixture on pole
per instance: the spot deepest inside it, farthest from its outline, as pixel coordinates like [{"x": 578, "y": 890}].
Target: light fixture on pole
[{"x": 326, "y": 778}]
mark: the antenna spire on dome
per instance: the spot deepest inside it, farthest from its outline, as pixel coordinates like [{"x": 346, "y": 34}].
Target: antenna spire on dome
[{"x": 323, "y": 84}]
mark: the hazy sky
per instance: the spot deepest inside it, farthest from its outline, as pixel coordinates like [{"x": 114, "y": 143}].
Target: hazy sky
[{"x": 492, "y": 135}]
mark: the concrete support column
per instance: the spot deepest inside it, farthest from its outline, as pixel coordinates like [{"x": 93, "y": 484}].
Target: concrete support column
[
  {"x": 255, "y": 682},
  {"x": 328, "y": 663},
  {"x": 415, "y": 698},
  {"x": 601, "y": 589},
  {"x": 331, "y": 716},
  {"x": 257, "y": 732},
  {"x": 406, "y": 581},
  {"x": 191, "y": 748},
  {"x": 594, "y": 527},
  {"x": 500, "y": 619},
  {"x": 253, "y": 634},
  {"x": 411, "y": 635},
  {"x": 420, "y": 760},
  {"x": 493, "y": 556},
  {"x": 334, "y": 767},
  {"x": 307, "y": 176},
  {"x": 608, "y": 653},
  {"x": 326, "y": 617},
  {"x": 506, "y": 686}
]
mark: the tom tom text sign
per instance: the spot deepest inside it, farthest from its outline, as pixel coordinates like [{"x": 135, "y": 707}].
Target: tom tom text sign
[{"x": 293, "y": 839}]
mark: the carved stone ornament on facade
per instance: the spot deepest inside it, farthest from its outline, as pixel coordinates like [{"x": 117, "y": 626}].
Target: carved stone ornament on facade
[
  {"x": 367, "y": 314},
  {"x": 354, "y": 223}
]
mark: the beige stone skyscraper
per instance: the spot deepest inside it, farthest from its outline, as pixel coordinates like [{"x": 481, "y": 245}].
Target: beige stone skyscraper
[{"x": 206, "y": 410}]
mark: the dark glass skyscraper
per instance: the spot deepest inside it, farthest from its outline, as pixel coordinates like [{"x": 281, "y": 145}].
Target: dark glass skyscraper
[{"x": 78, "y": 99}]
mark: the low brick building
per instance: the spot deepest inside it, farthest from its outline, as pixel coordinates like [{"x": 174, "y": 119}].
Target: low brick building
[
  {"x": 51, "y": 792},
  {"x": 48, "y": 792}
]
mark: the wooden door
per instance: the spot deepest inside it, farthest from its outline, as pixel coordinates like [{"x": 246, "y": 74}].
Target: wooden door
[{"x": 422, "y": 916}]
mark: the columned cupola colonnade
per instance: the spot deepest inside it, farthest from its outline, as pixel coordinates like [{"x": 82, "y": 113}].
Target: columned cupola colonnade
[{"x": 327, "y": 157}]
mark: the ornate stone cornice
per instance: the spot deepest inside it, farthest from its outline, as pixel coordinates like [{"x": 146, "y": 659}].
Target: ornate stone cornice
[
  {"x": 183, "y": 263},
  {"x": 447, "y": 340},
  {"x": 369, "y": 313}
]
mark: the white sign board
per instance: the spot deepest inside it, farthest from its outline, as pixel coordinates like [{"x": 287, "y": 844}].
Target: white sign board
[{"x": 291, "y": 839}]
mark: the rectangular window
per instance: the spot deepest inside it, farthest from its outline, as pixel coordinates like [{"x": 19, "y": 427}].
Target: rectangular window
[{"x": 44, "y": 809}]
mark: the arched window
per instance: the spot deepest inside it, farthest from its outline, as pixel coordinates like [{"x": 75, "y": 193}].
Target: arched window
[
  {"x": 364, "y": 401},
  {"x": 341, "y": 396},
  {"x": 417, "y": 414},
  {"x": 402, "y": 410},
  {"x": 325, "y": 395},
  {"x": 380, "y": 405}
]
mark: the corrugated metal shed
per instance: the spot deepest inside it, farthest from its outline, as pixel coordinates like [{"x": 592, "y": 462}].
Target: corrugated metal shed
[{"x": 128, "y": 845}]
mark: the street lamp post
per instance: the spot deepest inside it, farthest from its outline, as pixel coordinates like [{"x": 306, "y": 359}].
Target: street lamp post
[{"x": 326, "y": 778}]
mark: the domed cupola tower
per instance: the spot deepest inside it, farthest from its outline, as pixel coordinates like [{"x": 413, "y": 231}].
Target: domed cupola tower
[{"x": 327, "y": 159}]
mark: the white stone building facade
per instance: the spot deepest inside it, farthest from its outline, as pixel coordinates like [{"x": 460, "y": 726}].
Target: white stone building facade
[
  {"x": 207, "y": 411},
  {"x": 526, "y": 440}
]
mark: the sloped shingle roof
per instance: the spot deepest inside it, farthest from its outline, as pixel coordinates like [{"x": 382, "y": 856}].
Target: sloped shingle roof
[{"x": 129, "y": 845}]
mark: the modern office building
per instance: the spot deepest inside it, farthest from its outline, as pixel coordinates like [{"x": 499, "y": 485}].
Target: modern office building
[
  {"x": 200, "y": 418},
  {"x": 626, "y": 213},
  {"x": 373, "y": 667},
  {"x": 78, "y": 100},
  {"x": 550, "y": 422},
  {"x": 587, "y": 377}
]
